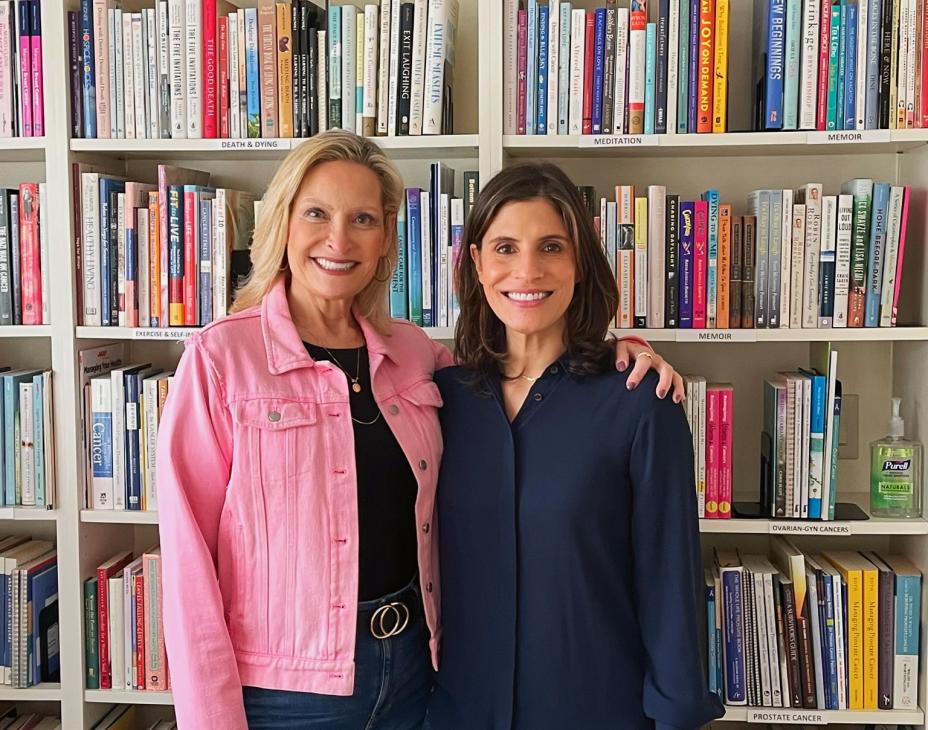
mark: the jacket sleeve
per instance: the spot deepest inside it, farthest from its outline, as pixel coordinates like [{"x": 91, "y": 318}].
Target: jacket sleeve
[
  {"x": 194, "y": 458},
  {"x": 443, "y": 356},
  {"x": 668, "y": 568}
]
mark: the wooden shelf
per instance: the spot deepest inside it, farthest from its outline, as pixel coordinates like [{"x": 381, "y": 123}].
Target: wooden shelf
[
  {"x": 129, "y": 697},
  {"x": 46, "y": 692},
  {"x": 119, "y": 517},
  {"x": 850, "y": 717}
]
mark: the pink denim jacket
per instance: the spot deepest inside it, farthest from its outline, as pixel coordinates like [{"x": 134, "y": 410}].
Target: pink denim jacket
[{"x": 258, "y": 507}]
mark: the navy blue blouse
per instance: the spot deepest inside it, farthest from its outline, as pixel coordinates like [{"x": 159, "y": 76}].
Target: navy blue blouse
[{"x": 570, "y": 559}]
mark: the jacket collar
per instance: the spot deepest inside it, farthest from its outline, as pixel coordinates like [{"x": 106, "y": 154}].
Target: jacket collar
[{"x": 284, "y": 347}]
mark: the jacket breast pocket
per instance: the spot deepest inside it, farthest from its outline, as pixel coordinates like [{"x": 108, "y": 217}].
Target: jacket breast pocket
[
  {"x": 423, "y": 399},
  {"x": 278, "y": 435}
]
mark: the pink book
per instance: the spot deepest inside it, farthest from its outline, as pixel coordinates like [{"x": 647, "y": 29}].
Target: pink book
[
  {"x": 821, "y": 117},
  {"x": 700, "y": 263},
  {"x": 155, "y": 666},
  {"x": 589, "y": 55},
  {"x": 38, "y": 96},
  {"x": 922, "y": 118},
  {"x": 903, "y": 226},
  {"x": 726, "y": 429},
  {"x": 712, "y": 452},
  {"x": 138, "y": 654},
  {"x": 29, "y": 254},
  {"x": 210, "y": 72},
  {"x": 136, "y": 197},
  {"x": 191, "y": 296},
  {"x": 25, "y": 69},
  {"x": 523, "y": 68}
]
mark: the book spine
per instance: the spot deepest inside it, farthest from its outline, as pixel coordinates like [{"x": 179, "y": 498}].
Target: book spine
[
  {"x": 860, "y": 77},
  {"x": 827, "y": 261},
  {"x": 683, "y": 78},
  {"x": 660, "y": 81},
  {"x": 210, "y": 70},
  {"x": 858, "y": 271},
  {"x": 30, "y": 254},
  {"x": 419, "y": 49},
  {"x": 138, "y": 665},
  {"x": 706, "y": 65},
  {"x": 636, "y": 65},
  {"x": 35, "y": 60},
  {"x": 641, "y": 262},
  {"x": 687, "y": 232},
  {"x": 608, "y": 87},
  {"x": 871, "y": 104},
  {"x": 205, "y": 262},
  {"x": 100, "y": 61},
  {"x": 737, "y": 271},
  {"x": 733, "y": 632},
  {"x": 902, "y": 238},
  {"x": 871, "y": 617},
  {"x": 673, "y": 66},
  {"x": 531, "y": 74},
  {"x": 887, "y": 287},
  {"x": 713, "y": 433},
  {"x": 164, "y": 70},
  {"x": 191, "y": 256},
  {"x": 720, "y": 75},
  {"x": 723, "y": 308},
  {"x": 193, "y": 50},
  {"x": 589, "y": 61},
  {"x": 564, "y": 61},
  {"x": 650, "y": 71},
  {"x": 700, "y": 263},
  {"x": 178, "y": 67},
  {"x": 813, "y": 250},
  {"x": 414, "y": 257},
  {"x": 223, "y": 37},
  {"x": 834, "y": 47},
  {"x": 748, "y": 272},
  {"x": 404, "y": 86},
  {"x": 267, "y": 29},
  {"x": 656, "y": 255},
  {"x": 91, "y": 648},
  {"x": 253, "y": 74},
  {"x": 285, "y": 78},
  {"x": 89, "y": 65},
  {"x": 578, "y": 24},
  {"x": 876, "y": 254},
  {"x": 75, "y": 68},
  {"x": 541, "y": 90},
  {"x": 809, "y": 68},
  {"x": 886, "y": 588},
  {"x": 905, "y": 669},
  {"x": 522, "y": 80},
  {"x": 671, "y": 262},
  {"x": 712, "y": 258},
  {"x": 850, "y": 67},
  {"x": 824, "y": 53},
  {"x": 385, "y": 56}
]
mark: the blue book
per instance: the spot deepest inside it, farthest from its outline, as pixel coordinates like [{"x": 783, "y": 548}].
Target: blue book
[
  {"x": 793, "y": 48},
  {"x": 38, "y": 418},
  {"x": 907, "y": 619},
  {"x": 563, "y": 84},
  {"x": 834, "y": 54},
  {"x": 399, "y": 284},
  {"x": 205, "y": 237},
  {"x": 11, "y": 438},
  {"x": 685, "y": 262},
  {"x": 414, "y": 258},
  {"x": 710, "y": 633},
  {"x": 835, "y": 428},
  {"x": 650, "y": 67},
  {"x": 850, "y": 80},
  {"x": 42, "y": 601},
  {"x": 776, "y": 62},
  {"x": 599, "y": 68},
  {"x": 693, "y": 100},
  {"x": 733, "y": 633},
  {"x": 872, "y": 103},
  {"x": 683, "y": 51},
  {"x": 842, "y": 66},
  {"x": 253, "y": 86},
  {"x": 541, "y": 103},
  {"x": 816, "y": 443},
  {"x": 876, "y": 253},
  {"x": 89, "y": 74},
  {"x": 712, "y": 257},
  {"x": 108, "y": 255},
  {"x": 829, "y": 648},
  {"x": 531, "y": 72}
]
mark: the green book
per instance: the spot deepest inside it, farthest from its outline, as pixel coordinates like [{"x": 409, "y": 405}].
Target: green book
[
  {"x": 834, "y": 46},
  {"x": 862, "y": 190},
  {"x": 91, "y": 653}
]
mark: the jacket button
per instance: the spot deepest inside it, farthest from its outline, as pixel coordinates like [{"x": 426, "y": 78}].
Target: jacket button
[
  {"x": 394, "y": 409},
  {"x": 273, "y": 416},
  {"x": 425, "y": 527},
  {"x": 428, "y": 587},
  {"x": 422, "y": 465},
  {"x": 538, "y": 397},
  {"x": 554, "y": 369}
]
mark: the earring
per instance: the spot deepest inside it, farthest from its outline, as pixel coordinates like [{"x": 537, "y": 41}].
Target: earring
[{"x": 386, "y": 276}]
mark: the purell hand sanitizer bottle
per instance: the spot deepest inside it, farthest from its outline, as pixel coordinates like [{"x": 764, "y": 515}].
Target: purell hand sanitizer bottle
[{"x": 896, "y": 472}]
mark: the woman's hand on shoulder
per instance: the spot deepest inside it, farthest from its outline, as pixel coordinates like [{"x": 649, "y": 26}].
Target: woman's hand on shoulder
[{"x": 643, "y": 359}]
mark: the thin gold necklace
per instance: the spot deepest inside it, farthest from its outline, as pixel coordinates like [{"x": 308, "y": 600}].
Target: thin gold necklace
[{"x": 355, "y": 385}]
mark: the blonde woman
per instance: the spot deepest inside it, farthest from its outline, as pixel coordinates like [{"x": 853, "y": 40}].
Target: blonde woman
[{"x": 297, "y": 464}]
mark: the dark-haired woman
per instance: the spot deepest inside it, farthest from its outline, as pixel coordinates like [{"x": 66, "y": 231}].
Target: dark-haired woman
[{"x": 567, "y": 510}]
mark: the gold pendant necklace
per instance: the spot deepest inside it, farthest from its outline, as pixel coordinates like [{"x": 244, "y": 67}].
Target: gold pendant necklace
[{"x": 355, "y": 385}]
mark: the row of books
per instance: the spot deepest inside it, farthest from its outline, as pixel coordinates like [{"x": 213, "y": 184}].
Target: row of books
[
  {"x": 123, "y": 637},
  {"x": 158, "y": 254},
  {"x": 24, "y": 263},
  {"x": 27, "y": 445},
  {"x": 845, "y": 64},
  {"x": 187, "y": 69},
  {"x": 610, "y": 71},
  {"x": 12, "y": 718},
  {"x": 430, "y": 230},
  {"x": 799, "y": 441},
  {"x": 22, "y": 101},
  {"x": 799, "y": 260},
  {"x": 28, "y": 612},
  {"x": 832, "y": 631},
  {"x": 710, "y": 412},
  {"x": 125, "y": 717}
]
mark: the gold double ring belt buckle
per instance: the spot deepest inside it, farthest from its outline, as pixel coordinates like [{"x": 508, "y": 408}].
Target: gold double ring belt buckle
[{"x": 383, "y": 627}]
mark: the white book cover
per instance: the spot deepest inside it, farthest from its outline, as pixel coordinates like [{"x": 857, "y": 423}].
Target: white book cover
[
  {"x": 121, "y": 257},
  {"x": 6, "y": 71},
  {"x": 128, "y": 76},
  {"x": 394, "y": 66},
  {"x": 843, "y": 258},
  {"x": 111, "y": 66},
  {"x": 656, "y": 254},
  {"x": 426, "y": 239},
  {"x": 577, "y": 41},
  {"x": 901, "y": 63},
  {"x": 44, "y": 262},
  {"x": 419, "y": 47},
  {"x": 349, "y": 63},
  {"x": 563, "y": 63},
  {"x": 119, "y": 74},
  {"x": 701, "y": 444},
  {"x": 797, "y": 255},
  {"x": 810, "y": 289},
  {"x": 26, "y": 445},
  {"x": 117, "y": 629},
  {"x": 164, "y": 70},
  {"x": 178, "y": 65},
  {"x": 150, "y": 414},
  {"x": 912, "y": 64},
  {"x": 625, "y": 257},
  {"x": 369, "y": 98},
  {"x": 510, "y": 66},
  {"x": 554, "y": 47},
  {"x": 444, "y": 219},
  {"x": 101, "y": 46},
  {"x": 860, "y": 106},
  {"x": 792, "y": 501},
  {"x": 827, "y": 256},
  {"x": 786, "y": 237},
  {"x": 836, "y": 590},
  {"x": 152, "y": 73},
  {"x": 439, "y": 61},
  {"x": 90, "y": 249},
  {"x": 101, "y": 451},
  {"x": 322, "y": 82},
  {"x": 139, "y": 62},
  {"x": 193, "y": 58},
  {"x": 143, "y": 272},
  {"x": 808, "y": 77},
  {"x": 235, "y": 110},
  {"x": 804, "y": 439},
  {"x": 609, "y": 223},
  {"x": 673, "y": 66},
  {"x": 621, "y": 64},
  {"x": 383, "y": 70},
  {"x": 220, "y": 257},
  {"x": 17, "y": 71},
  {"x": 760, "y": 629},
  {"x": 888, "y": 288}
]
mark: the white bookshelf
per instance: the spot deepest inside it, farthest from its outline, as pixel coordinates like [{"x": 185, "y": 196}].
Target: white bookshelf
[{"x": 874, "y": 363}]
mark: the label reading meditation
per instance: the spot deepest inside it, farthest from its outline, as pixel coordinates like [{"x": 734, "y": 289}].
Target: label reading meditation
[
  {"x": 849, "y": 136},
  {"x": 253, "y": 144},
  {"x": 810, "y": 528},
  {"x": 737, "y": 335},
  {"x": 618, "y": 140},
  {"x": 786, "y": 717}
]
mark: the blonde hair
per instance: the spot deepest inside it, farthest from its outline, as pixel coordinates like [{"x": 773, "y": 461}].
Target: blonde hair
[{"x": 269, "y": 246}]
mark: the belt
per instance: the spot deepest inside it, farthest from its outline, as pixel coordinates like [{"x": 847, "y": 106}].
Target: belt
[{"x": 391, "y": 616}]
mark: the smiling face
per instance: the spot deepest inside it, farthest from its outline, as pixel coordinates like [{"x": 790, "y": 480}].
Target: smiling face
[
  {"x": 337, "y": 231},
  {"x": 527, "y": 267}
]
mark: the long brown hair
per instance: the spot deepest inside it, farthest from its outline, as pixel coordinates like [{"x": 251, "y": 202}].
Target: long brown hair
[{"x": 480, "y": 337}]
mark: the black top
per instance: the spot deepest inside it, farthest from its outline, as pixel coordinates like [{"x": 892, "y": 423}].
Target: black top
[
  {"x": 386, "y": 486},
  {"x": 570, "y": 559}
]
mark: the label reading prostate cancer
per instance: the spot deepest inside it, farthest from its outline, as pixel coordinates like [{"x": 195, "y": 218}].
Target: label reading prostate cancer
[{"x": 786, "y": 717}]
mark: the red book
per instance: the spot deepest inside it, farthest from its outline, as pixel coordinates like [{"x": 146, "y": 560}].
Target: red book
[
  {"x": 29, "y": 255},
  {"x": 191, "y": 257},
  {"x": 224, "y": 77},
  {"x": 588, "y": 54},
  {"x": 726, "y": 429},
  {"x": 824, "y": 47},
  {"x": 139, "y": 653},
  {"x": 712, "y": 452},
  {"x": 700, "y": 263},
  {"x": 210, "y": 71},
  {"x": 106, "y": 571},
  {"x": 523, "y": 68},
  {"x": 706, "y": 66}
]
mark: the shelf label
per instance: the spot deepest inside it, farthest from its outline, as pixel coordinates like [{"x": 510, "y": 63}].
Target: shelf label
[
  {"x": 849, "y": 136},
  {"x": 254, "y": 144},
  {"x": 618, "y": 140},
  {"x": 738, "y": 335},
  {"x": 812, "y": 527},
  {"x": 787, "y": 717},
  {"x": 157, "y": 333}
]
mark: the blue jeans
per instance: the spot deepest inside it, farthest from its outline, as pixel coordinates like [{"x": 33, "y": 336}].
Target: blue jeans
[{"x": 392, "y": 685}]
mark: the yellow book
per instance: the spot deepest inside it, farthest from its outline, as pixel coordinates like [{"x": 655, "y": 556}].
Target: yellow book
[
  {"x": 284, "y": 70},
  {"x": 641, "y": 261},
  {"x": 871, "y": 634},
  {"x": 720, "y": 74}
]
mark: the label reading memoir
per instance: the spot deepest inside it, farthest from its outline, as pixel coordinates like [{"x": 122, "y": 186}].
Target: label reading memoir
[
  {"x": 787, "y": 717},
  {"x": 618, "y": 140},
  {"x": 158, "y": 333},
  {"x": 810, "y": 528},
  {"x": 848, "y": 136},
  {"x": 254, "y": 144},
  {"x": 690, "y": 335}
]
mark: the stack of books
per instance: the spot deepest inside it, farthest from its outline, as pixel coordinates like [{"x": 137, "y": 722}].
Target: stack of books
[
  {"x": 710, "y": 412},
  {"x": 22, "y": 101},
  {"x": 12, "y": 719},
  {"x": 123, "y": 717},
  {"x": 24, "y": 263},
  {"x": 27, "y": 456}
]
